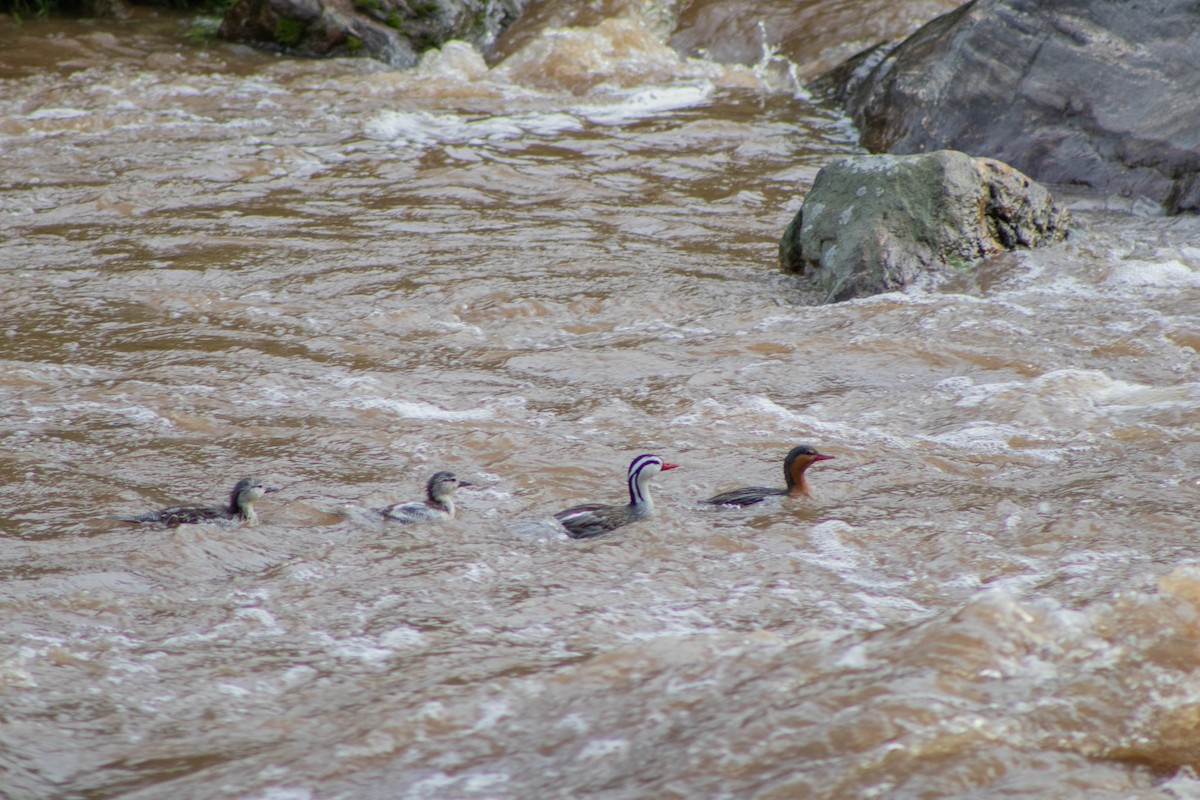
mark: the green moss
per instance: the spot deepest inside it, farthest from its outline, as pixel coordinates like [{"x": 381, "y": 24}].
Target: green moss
[
  {"x": 202, "y": 30},
  {"x": 425, "y": 8},
  {"x": 424, "y": 40},
  {"x": 354, "y": 45},
  {"x": 39, "y": 9},
  {"x": 368, "y": 5},
  {"x": 960, "y": 265},
  {"x": 289, "y": 32},
  {"x": 394, "y": 20}
]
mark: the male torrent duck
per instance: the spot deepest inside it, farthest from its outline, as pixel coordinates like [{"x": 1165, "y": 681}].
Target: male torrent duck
[
  {"x": 794, "y": 466},
  {"x": 595, "y": 519},
  {"x": 240, "y": 509},
  {"x": 437, "y": 504}
]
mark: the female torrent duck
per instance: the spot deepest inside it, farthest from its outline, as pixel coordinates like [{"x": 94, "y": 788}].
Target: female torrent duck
[
  {"x": 794, "y": 466},
  {"x": 240, "y": 509},
  {"x": 437, "y": 504},
  {"x": 594, "y": 519}
]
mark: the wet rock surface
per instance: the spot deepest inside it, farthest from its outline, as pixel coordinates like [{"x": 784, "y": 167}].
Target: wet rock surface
[
  {"x": 875, "y": 224},
  {"x": 393, "y": 31},
  {"x": 1094, "y": 93}
]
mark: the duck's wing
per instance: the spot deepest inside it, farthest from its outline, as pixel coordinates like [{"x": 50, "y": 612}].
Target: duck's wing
[
  {"x": 578, "y": 511},
  {"x": 586, "y": 521},
  {"x": 743, "y": 497},
  {"x": 180, "y": 515},
  {"x": 406, "y": 512}
]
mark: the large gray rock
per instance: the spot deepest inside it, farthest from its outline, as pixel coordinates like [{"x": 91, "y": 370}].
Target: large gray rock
[
  {"x": 393, "y": 31},
  {"x": 875, "y": 224},
  {"x": 1097, "y": 93}
]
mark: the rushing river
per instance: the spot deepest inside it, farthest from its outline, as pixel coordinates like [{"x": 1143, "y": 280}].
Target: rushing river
[{"x": 217, "y": 262}]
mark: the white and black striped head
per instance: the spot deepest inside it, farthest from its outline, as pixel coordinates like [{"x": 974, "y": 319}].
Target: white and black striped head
[
  {"x": 641, "y": 470},
  {"x": 441, "y": 485},
  {"x": 246, "y": 492}
]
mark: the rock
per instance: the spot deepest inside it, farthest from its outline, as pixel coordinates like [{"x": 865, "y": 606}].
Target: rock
[
  {"x": 1095, "y": 93},
  {"x": 393, "y": 31},
  {"x": 875, "y": 224}
]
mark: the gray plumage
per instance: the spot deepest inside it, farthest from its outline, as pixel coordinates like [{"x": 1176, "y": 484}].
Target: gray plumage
[
  {"x": 438, "y": 503},
  {"x": 240, "y": 509}
]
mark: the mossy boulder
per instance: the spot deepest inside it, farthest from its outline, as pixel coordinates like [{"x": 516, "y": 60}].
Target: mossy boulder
[{"x": 873, "y": 224}]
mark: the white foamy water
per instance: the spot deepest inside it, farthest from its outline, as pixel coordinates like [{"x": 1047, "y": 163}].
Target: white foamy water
[{"x": 422, "y": 128}]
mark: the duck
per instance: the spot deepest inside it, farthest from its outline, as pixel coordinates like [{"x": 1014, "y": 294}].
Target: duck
[
  {"x": 245, "y": 493},
  {"x": 795, "y": 464},
  {"x": 596, "y": 519},
  {"x": 438, "y": 503}
]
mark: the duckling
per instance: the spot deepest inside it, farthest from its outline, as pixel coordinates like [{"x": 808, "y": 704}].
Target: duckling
[
  {"x": 240, "y": 509},
  {"x": 794, "y": 466},
  {"x": 596, "y": 519},
  {"x": 438, "y": 503}
]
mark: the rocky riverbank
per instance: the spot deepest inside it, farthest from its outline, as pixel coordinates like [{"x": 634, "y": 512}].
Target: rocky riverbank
[{"x": 1099, "y": 94}]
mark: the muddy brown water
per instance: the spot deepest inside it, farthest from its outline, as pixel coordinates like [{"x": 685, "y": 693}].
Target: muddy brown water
[{"x": 530, "y": 269}]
